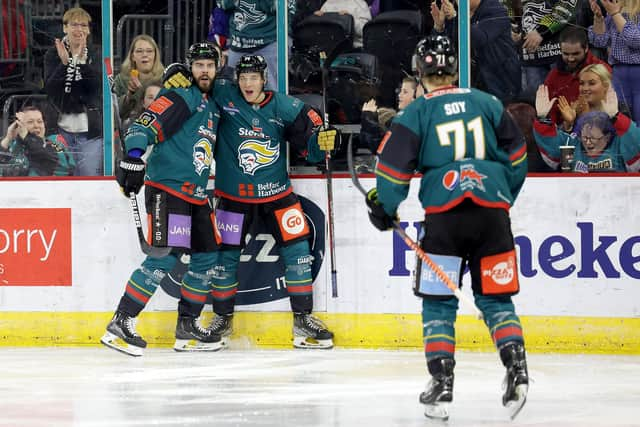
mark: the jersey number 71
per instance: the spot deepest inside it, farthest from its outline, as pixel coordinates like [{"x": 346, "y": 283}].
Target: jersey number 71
[{"x": 455, "y": 132}]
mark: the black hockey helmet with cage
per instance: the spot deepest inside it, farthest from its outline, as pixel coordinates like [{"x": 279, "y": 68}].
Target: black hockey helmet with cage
[
  {"x": 436, "y": 56},
  {"x": 203, "y": 50},
  {"x": 252, "y": 64}
]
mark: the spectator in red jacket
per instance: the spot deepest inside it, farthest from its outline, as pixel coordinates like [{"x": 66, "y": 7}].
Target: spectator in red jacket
[{"x": 563, "y": 79}]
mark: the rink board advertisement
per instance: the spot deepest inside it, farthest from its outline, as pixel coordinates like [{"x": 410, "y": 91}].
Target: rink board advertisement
[{"x": 69, "y": 246}]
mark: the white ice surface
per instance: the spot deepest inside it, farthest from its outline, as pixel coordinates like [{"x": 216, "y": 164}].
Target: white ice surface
[{"x": 338, "y": 388}]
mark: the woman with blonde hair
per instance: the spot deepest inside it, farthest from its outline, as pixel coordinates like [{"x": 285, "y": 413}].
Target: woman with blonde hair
[
  {"x": 142, "y": 65},
  {"x": 595, "y": 86},
  {"x": 619, "y": 31}
]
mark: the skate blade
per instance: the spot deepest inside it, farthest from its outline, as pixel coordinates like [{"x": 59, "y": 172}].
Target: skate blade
[
  {"x": 195, "y": 345},
  {"x": 118, "y": 344},
  {"x": 438, "y": 411},
  {"x": 514, "y": 406},
  {"x": 311, "y": 343}
]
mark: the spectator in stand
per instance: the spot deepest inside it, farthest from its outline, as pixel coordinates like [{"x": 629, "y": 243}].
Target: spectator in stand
[
  {"x": 35, "y": 154},
  {"x": 524, "y": 115},
  {"x": 620, "y": 32},
  {"x": 595, "y": 85},
  {"x": 141, "y": 66},
  {"x": 375, "y": 121},
  {"x": 359, "y": 9},
  {"x": 219, "y": 28},
  {"x": 73, "y": 75},
  {"x": 542, "y": 20},
  {"x": 150, "y": 91},
  {"x": 493, "y": 52},
  {"x": 563, "y": 80},
  {"x": 603, "y": 141},
  {"x": 252, "y": 30}
]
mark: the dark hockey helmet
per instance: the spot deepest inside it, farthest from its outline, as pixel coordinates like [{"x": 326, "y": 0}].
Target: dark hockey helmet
[
  {"x": 252, "y": 64},
  {"x": 436, "y": 55},
  {"x": 203, "y": 50}
]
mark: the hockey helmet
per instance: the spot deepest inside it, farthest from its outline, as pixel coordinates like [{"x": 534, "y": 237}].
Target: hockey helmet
[
  {"x": 435, "y": 55},
  {"x": 203, "y": 50},
  {"x": 252, "y": 64}
]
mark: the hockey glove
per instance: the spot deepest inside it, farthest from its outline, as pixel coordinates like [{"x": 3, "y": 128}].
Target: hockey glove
[
  {"x": 327, "y": 139},
  {"x": 378, "y": 217},
  {"x": 130, "y": 175},
  {"x": 176, "y": 75}
]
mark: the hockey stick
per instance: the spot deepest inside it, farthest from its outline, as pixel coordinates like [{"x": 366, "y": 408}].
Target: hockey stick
[
  {"x": 324, "y": 65},
  {"x": 414, "y": 245},
  {"x": 146, "y": 248}
]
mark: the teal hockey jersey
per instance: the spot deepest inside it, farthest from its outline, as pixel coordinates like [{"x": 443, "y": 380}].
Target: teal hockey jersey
[
  {"x": 465, "y": 145},
  {"x": 181, "y": 124},
  {"x": 251, "y": 156}
]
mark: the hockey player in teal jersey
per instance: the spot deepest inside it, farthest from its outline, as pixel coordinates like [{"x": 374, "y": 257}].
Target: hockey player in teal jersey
[
  {"x": 472, "y": 158},
  {"x": 181, "y": 125},
  {"x": 603, "y": 141},
  {"x": 254, "y": 182}
]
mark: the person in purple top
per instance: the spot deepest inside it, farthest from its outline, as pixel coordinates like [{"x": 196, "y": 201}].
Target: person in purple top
[{"x": 620, "y": 32}]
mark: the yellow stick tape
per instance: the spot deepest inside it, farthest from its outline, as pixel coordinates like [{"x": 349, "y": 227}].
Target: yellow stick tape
[{"x": 273, "y": 330}]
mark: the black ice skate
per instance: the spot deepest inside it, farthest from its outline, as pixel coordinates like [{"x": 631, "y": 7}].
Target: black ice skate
[
  {"x": 516, "y": 381},
  {"x": 121, "y": 335},
  {"x": 222, "y": 324},
  {"x": 439, "y": 392},
  {"x": 190, "y": 336},
  {"x": 310, "y": 332}
]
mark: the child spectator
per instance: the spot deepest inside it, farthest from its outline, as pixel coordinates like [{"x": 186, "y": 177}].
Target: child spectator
[
  {"x": 150, "y": 91},
  {"x": 375, "y": 121}
]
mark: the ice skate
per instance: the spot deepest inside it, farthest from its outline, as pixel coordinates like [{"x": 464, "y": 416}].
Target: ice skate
[
  {"x": 190, "y": 336},
  {"x": 516, "y": 381},
  {"x": 310, "y": 332},
  {"x": 222, "y": 324},
  {"x": 439, "y": 392},
  {"x": 121, "y": 335}
]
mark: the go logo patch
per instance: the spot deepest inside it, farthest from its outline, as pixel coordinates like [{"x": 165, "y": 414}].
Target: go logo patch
[
  {"x": 291, "y": 221},
  {"x": 261, "y": 270}
]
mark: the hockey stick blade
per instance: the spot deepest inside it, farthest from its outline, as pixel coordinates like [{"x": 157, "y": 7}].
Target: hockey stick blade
[
  {"x": 146, "y": 248},
  {"x": 414, "y": 245}
]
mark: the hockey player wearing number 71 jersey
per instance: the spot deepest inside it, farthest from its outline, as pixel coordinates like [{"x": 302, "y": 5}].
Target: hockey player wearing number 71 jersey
[{"x": 473, "y": 163}]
